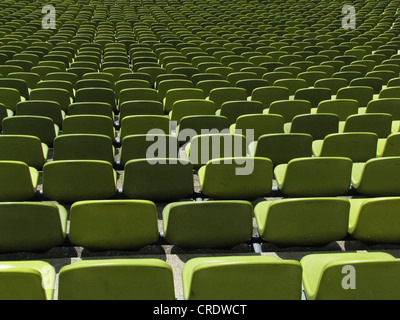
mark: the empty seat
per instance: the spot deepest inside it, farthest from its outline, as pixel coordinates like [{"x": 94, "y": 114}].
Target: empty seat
[
  {"x": 389, "y": 147},
  {"x": 18, "y": 181},
  {"x": 257, "y": 125},
  {"x": 74, "y": 180},
  {"x": 89, "y": 124},
  {"x": 28, "y": 149},
  {"x": 358, "y": 146},
  {"x": 241, "y": 278},
  {"x": 318, "y": 125},
  {"x": 314, "y": 177},
  {"x": 249, "y": 178},
  {"x": 141, "y": 146},
  {"x": 113, "y": 224},
  {"x": 350, "y": 276},
  {"x": 143, "y": 124},
  {"x": 377, "y": 177},
  {"x": 378, "y": 123},
  {"x": 116, "y": 279},
  {"x": 61, "y": 96},
  {"x": 174, "y": 95},
  {"x": 234, "y": 109},
  {"x": 288, "y": 109},
  {"x": 303, "y": 222},
  {"x": 314, "y": 95},
  {"x": 208, "y": 224},
  {"x": 221, "y": 95},
  {"x": 31, "y": 226},
  {"x": 171, "y": 179},
  {"x": 205, "y": 147},
  {"x": 27, "y": 280},
  {"x": 90, "y": 108},
  {"x": 282, "y": 147},
  {"x": 190, "y": 107},
  {"x": 83, "y": 147},
  {"x": 267, "y": 95},
  {"x": 343, "y": 108},
  {"x": 375, "y": 220},
  {"x": 362, "y": 94},
  {"x": 190, "y": 126},
  {"x": 96, "y": 95},
  {"x": 50, "y": 109}
]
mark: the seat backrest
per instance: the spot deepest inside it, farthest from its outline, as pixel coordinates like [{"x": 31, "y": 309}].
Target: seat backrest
[
  {"x": 31, "y": 226},
  {"x": 379, "y": 123},
  {"x": 375, "y": 220},
  {"x": 237, "y": 278},
  {"x": 132, "y": 224},
  {"x": 23, "y": 280},
  {"x": 379, "y": 177},
  {"x": 325, "y": 176},
  {"x": 83, "y": 147},
  {"x": 385, "y": 105},
  {"x": 249, "y": 177},
  {"x": 288, "y": 109},
  {"x": 358, "y": 146},
  {"x": 141, "y": 146},
  {"x": 18, "y": 181},
  {"x": 267, "y": 95},
  {"x": 172, "y": 179},
  {"x": 314, "y": 95},
  {"x": 174, "y": 95},
  {"x": 38, "y": 126},
  {"x": 23, "y": 148},
  {"x": 303, "y": 222},
  {"x": 189, "y": 107},
  {"x": 142, "y": 124},
  {"x": 260, "y": 124},
  {"x": 283, "y": 147},
  {"x": 377, "y": 276},
  {"x": 317, "y": 125},
  {"x": 89, "y": 124},
  {"x": 96, "y": 95},
  {"x": 222, "y": 95},
  {"x": 122, "y": 279},
  {"x": 74, "y": 180},
  {"x": 343, "y": 108},
  {"x": 208, "y": 224},
  {"x": 392, "y": 146}
]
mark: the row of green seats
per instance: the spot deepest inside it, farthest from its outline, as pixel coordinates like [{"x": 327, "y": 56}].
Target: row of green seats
[{"x": 374, "y": 277}]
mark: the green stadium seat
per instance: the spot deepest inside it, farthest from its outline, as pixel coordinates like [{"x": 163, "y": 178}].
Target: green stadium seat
[
  {"x": 280, "y": 148},
  {"x": 122, "y": 279},
  {"x": 89, "y": 124},
  {"x": 242, "y": 278},
  {"x": 314, "y": 177},
  {"x": 208, "y": 224},
  {"x": 27, "y": 280},
  {"x": 83, "y": 147},
  {"x": 303, "y": 222},
  {"x": 75, "y": 180},
  {"x": 27, "y": 149},
  {"x": 132, "y": 224},
  {"x": 326, "y": 276},
  {"x": 19, "y": 182},
  {"x": 171, "y": 179},
  {"x": 249, "y": 178},
  {"x": 358, "y": 146},
  {"x": 42, "y": 127},
  {"x": 376, "y": 177}
]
